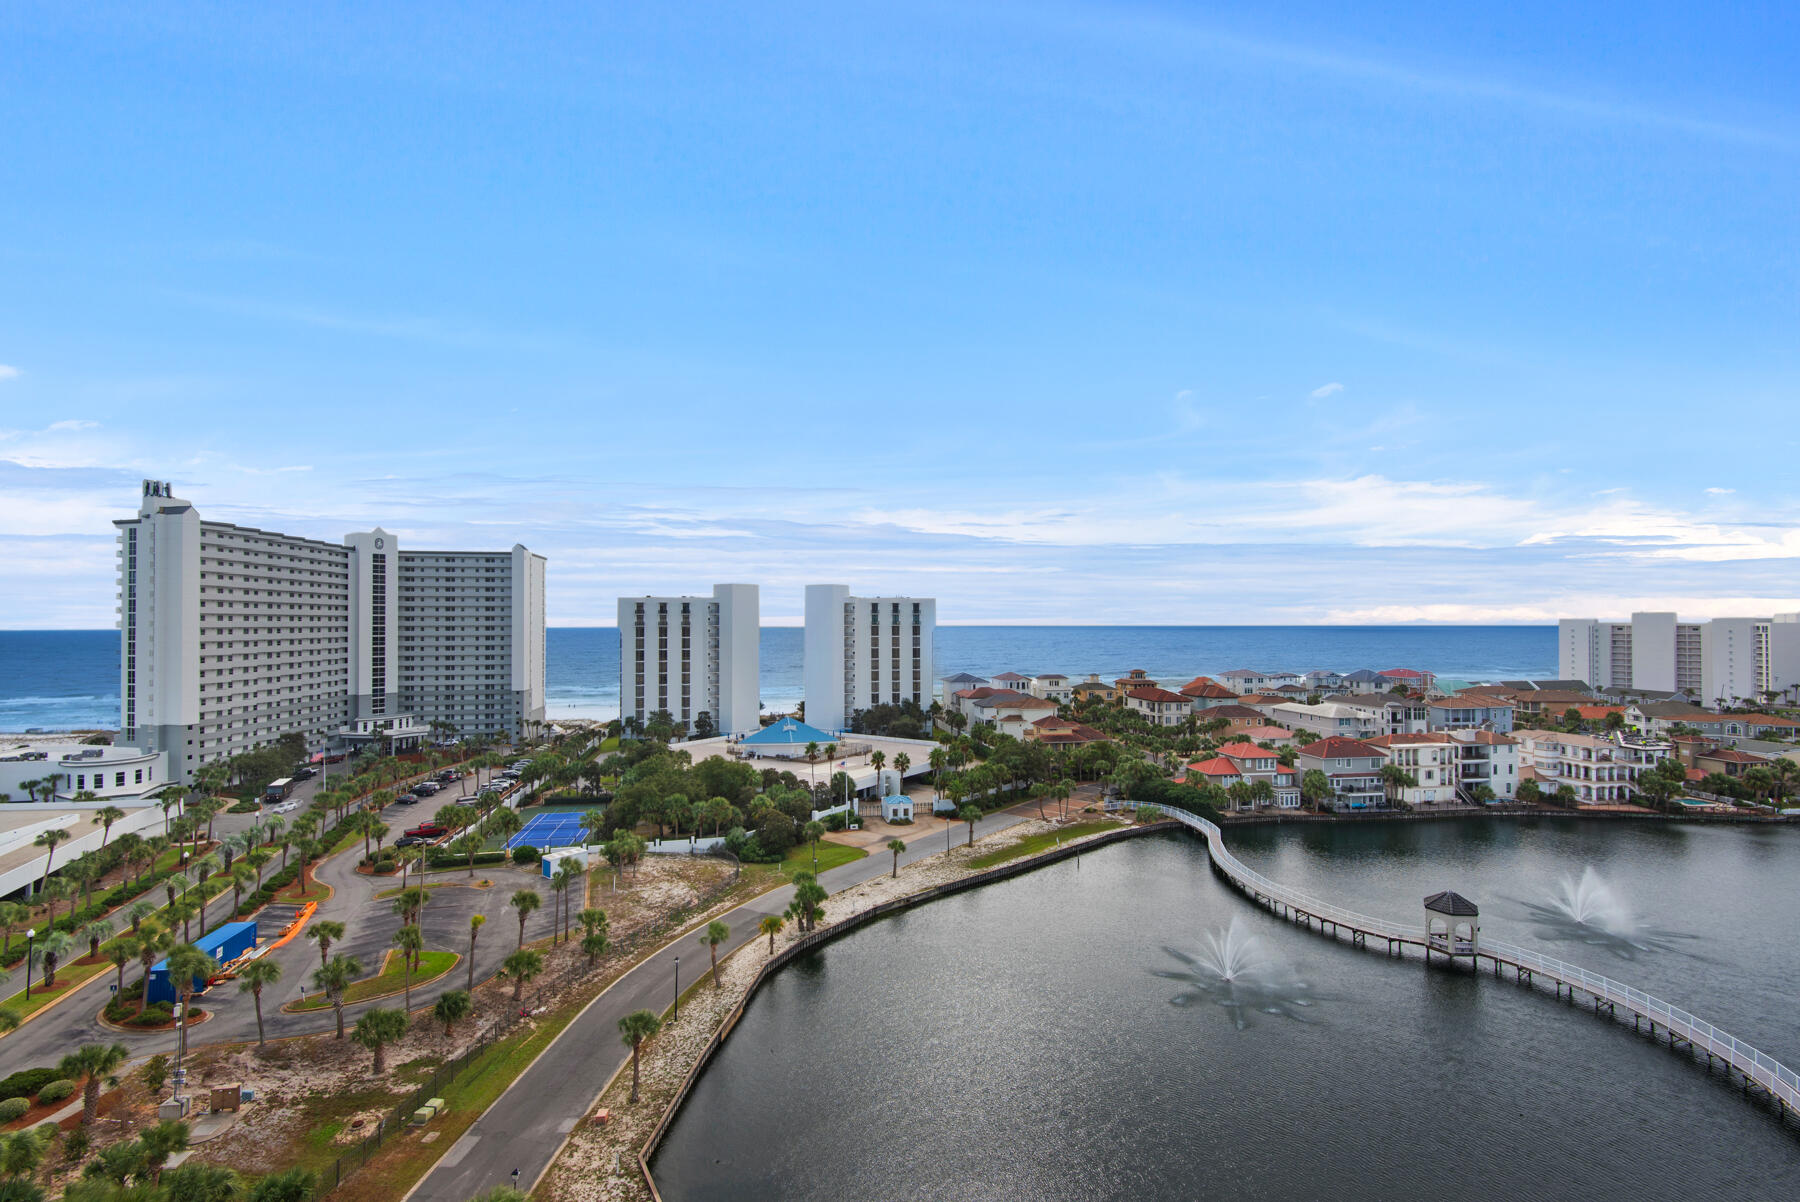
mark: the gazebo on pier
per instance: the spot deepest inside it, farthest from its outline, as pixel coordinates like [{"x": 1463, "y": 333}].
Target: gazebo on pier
[{"x": 1452, "y": 926}]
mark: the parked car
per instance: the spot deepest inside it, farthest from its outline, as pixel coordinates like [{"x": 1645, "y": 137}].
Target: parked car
[
  {"x": 410, "y": 841},
  {"x": 427, "y": 830},
  {"x": 305, "y": 773},
  {"x": 447, "y": 775},
  {"x": 406, "y": 799}
]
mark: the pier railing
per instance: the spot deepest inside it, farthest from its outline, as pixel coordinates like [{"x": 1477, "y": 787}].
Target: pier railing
[{"x": 1782, "y": 1082}]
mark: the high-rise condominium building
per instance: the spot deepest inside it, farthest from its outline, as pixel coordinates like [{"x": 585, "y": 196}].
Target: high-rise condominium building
[
  {"x": 1733, "y": 659},
  {"x": 231, "y": 637},
  {"x": 865, "y": 651},
  {"x": 693, "y": 656}
]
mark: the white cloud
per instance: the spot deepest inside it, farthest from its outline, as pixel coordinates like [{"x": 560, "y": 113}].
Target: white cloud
[
  {"x": 1325, "y": 390},
  {"x": 73, "y": 424},
  {"x": 1720, "y": 492},
  {"x": 8, "y": 372}
]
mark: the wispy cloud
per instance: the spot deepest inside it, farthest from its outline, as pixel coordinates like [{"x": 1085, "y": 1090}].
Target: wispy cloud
[
  {"x": 73, "y": 424},
  {"x": 8, "y": 372},
  {"x": 1325, "y": 390},
  {"x": 1720, "y": 492}
]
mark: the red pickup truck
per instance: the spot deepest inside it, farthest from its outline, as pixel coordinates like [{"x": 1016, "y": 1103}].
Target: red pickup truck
[{"x": 429, "y": 830}]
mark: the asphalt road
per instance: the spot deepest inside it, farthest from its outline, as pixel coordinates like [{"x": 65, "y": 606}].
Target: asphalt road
[
  {"x": 369, "y": 924},
  {"x": 526, "y": 1126}
]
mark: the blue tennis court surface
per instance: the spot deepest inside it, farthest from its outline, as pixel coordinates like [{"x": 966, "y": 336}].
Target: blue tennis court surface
[{"x": 550, "y": 830}]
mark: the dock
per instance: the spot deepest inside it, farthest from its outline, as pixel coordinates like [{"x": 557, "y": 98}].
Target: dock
[{"x": 1755, "y": 1070}]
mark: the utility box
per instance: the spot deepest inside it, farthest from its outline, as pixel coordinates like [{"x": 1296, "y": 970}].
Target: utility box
[
  {"x": 172, "y": 1108},
  {"x": 226, "y": 1097}
]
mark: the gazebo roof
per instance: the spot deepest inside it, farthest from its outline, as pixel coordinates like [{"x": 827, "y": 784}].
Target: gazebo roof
[
  {"x": 786, "y": 732},
  {"x": 1452, "y": 903}
]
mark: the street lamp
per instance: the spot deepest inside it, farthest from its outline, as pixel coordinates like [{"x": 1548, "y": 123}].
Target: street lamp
[
  {"x": 30, "y": 939},
  {"x": 676, "y": 1016},
  {"x": 177, "y": 1013}
]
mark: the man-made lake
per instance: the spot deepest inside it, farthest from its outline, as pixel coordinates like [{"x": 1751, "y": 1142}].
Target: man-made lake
[{"x": 1123, "y": 1025}]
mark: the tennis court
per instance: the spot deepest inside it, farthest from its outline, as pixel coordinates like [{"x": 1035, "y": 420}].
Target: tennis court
[{"x": 545, "y": 831}]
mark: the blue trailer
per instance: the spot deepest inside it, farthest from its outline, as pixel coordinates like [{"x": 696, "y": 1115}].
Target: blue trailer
[{"x": 225, "y": 944}]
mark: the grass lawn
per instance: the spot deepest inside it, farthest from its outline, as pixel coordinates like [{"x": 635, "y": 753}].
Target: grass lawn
[
  {"x": 831, "y": 855},
  {"x": 1031, "y": 845},
  {"x": 41, "y": 997},
  {"x": 394, "y": 1170},
  {"x": 391, "y": 979}
]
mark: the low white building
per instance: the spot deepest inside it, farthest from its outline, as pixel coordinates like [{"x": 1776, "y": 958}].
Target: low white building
[
  {"x": 1052, "y": 686},
  {"x": 109, "y": 773},
  {"x": 1326, "y": 720}
]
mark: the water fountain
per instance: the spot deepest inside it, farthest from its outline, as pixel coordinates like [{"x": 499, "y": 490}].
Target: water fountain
[
  {"x": 1588, "y": 910},
  {"x": 1237, "y": 970}
]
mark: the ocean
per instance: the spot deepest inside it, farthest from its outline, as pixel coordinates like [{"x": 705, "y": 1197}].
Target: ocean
[{"x": 66, "y": 679}]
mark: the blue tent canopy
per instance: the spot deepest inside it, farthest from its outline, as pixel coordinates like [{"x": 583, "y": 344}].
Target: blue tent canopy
[{"x": 788, "y": 732}]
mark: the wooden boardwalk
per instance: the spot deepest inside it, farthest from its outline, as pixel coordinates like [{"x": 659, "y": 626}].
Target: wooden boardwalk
[{"x": 1755, "y": 1069}]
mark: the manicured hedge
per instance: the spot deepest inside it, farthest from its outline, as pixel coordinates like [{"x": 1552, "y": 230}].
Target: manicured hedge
[
  {"x": 26, "y": 1082},
  {"x": 56, "y": 1091},
  {"x": 13, "y": 1108}
]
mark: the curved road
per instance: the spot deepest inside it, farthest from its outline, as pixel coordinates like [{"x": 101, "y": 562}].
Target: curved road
[
  {"x": 369, "y": 928},
  {"x": 526, "y": 1126}
]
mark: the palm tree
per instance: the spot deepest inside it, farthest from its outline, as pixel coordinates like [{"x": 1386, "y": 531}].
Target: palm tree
[
  {"x": 324, "y": 934},
  {"x": 378, "y": 1028},
  {"x": 896, "y": 846},
  {"x": 52, "y": 949},
  {"x": 253, "y": 978},
  {"x": 525, "y": 901},
  {"x": 185, "y": 964},
  {"x": 93, "y": 1063},
  {"x": 411, "y": 942},
  {"x": 241, "y": 874},
  {"x": 522, "y": 966},
  {"x": 876, "y": 760},
  {"x": 594, "y": 928},
  {"x": 96, "y": 933},
  {"x": 121, "y": 951},
  {"x": 333, "y": 979},
  {"x": 901, "y": 763},
  {"x": 452, "y": 1008},
  {"x": 104, "y": 817},
  {"x": 48, "y": 839},
  {"x": 634, "y": 1029},
  {"x": 971, "y": 815},
  {"x": 476, "y": 922},
  {"x": 771, "y": 926},
  {"x": 812, "y": 831},
  {"x": 812, "y": 758},
  {"x": 715, "y": 933}
]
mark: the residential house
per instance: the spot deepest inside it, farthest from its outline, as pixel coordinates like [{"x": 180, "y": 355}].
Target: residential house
[
  {"x": 1274, "y": 735},
  {"x": 1465, "y": 713},
  {"x": 1601, "y": 771},
  {"x": 1052, "y": 686},
  {"x": 1005, "y": 710},
  {"x": 1388, "y": 714},
  {"x": 1137, "y": 678},
  {"x": 1326, "y": 683},
  {"x": 1249, "y": 680},
  {"x": 1095, "y": 689},
  {"x": 1728, "y": 761},
  {"x": 1248, "y": 763},
  {"x": 1205, "y": 693},
  {"x": 1488, "y": 758},
  {"x": 1417, "y": 681},
  {"x": 1353, "y": 768},
  {"x": 1236, "y": 718},
  {"x": 1324, "y": 720},
  {"x": 1159, "y": 706},
  {"x": 1053, "y": 731},
  {"x": 1016, "y": 681},
  {"x": 1433, "y": 759}
]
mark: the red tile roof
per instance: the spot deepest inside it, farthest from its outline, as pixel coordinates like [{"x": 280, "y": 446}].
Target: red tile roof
[
  {"x": 1203, "y": 686},
  {"x": 1339, "y": 747},
  {"x": 1262, "y": 734},
  {"x": 1155, "y": 695},
  {"x": 1218, "y": 765},
  {"x": 1246, "y": 751},
  {"x": 1231, "y": 711}
]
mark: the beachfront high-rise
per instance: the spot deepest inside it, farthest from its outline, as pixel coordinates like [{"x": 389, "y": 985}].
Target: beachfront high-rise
[
  {"x": 864, "y": 651},
  {"x": 692, "y": 656},
  {"x": 1729, "y": 659},
  {"x": 231, "y": 637}
]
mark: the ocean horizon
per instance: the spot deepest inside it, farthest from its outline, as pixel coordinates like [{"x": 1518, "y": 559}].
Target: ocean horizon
[{"x": 55, "y": 680}]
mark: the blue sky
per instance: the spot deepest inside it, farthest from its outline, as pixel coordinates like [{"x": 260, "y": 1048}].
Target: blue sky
[{"x": 1058, "y": 312}]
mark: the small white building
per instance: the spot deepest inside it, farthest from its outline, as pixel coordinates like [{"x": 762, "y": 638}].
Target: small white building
[
  {"x": 1052, "y": 686},
  {"x": 896, "y": 808},
  {"x": 109, "y": 773}
]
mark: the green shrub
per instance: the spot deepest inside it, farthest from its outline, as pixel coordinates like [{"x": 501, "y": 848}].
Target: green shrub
[
  {"x": 155, "y": 1072},
  {"x": 526, "y": 854},
  {"x": 56, "y": 1091},
  {"x": 244, "y": 807},
  {"x": 13, "y": 1108},
  {"x": 26, "y": 1082}
]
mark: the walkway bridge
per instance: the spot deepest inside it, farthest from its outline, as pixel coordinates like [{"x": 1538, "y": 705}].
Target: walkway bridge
[{"x": 1756, "y": 1069}]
